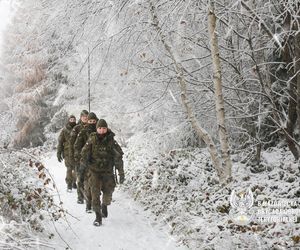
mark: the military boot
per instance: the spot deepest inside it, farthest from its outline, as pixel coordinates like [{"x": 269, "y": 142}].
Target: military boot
[
  {"x": 104, "y": 211},
  {"x": 69, "y": 187},
  {"x": 80, "y": 200},
  {"x": 88, "y": 208},
  {"x": 98, "y": 220},
  {"x": 74, "y": 186}
]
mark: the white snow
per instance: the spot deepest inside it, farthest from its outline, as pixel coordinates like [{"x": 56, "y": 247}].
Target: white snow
[
  {"x": 276, "y": 37},
  {"x": 59, "y": 95},
  {"x": 128, "y": 226},
  {"x": 5, "y": 13},
  {"x": 173, "y": 97}
]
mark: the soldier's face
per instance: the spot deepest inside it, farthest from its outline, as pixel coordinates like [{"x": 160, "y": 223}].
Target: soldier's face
[
  {"x": 92, "y": 121},
  {"x": 72, "y": 120},
  {"x": 101, "y": 130},
  {"x": 84, "y": 118}
]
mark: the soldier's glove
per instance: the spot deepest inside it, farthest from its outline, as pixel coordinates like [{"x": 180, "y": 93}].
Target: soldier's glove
[
  {"x": 122, "y": 178},
  {"x": 59, "y": 157}
]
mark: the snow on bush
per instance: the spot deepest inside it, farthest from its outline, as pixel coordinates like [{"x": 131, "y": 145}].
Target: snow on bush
[
  {"x": 26, "y": 199},
  {"x": 181, "y": 189}
]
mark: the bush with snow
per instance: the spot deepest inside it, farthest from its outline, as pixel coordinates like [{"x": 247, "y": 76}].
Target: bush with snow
[
  {"x": 181, "y": 189},
  {"x": 26, "y": 199}
]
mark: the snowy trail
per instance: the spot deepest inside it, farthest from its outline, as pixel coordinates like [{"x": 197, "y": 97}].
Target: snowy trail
[{"x": 127, "y": 226}]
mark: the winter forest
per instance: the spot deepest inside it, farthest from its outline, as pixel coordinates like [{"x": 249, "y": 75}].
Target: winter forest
[{"x": 203, "y": 97}]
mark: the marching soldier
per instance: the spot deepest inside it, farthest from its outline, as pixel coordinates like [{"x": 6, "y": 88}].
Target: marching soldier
[
  {"x": 101, "y": 154},
  {"x": 63, "y": 152},
  {"x": 83, "y": 173},
  {"x": 75, "y": 131}
]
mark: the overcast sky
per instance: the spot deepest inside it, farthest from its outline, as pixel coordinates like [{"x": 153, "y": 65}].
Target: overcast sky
[{"x": 5, "y": 14}]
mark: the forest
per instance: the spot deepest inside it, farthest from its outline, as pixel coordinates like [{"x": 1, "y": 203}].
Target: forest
[{"x": 203, "y": 95}]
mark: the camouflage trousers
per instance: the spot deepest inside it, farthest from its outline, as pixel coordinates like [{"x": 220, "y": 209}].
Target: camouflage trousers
[
  {"x": 71, "y": 173},
  {"x": 99, "y": 182},
  {"x": 87, "y": 188},
  {"x": 83, "y": 187},
  {"x": 80, "y": 184}
]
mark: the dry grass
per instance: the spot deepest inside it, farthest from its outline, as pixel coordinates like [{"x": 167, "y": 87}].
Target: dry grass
[
  {"x": 31, "y": 78},
  {"x": 35, "y": 96},
  {"x": 29, "y": 117},
  {"x": 31, "y": 96},
  {"x": 22, "y": 138}
]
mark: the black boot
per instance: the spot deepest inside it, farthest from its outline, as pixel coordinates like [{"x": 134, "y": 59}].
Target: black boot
[
  {"x": 69, "y": 187},
  {"x": 88, "y": 208},
  {"x": 98, "y": 220},
  {"x": 104, "y": 211},
  {"x": 80, "y": 200},
  {"x": 74, "y": 186}
]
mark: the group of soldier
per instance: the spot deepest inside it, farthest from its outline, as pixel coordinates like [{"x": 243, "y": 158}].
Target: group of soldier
[{"x": 91, "y": 156}]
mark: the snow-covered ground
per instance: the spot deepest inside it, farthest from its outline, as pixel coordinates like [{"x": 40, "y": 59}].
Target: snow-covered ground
[{"x": 127, "y": 227}]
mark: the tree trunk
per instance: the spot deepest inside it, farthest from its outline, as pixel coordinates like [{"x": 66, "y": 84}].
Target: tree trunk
[
  {"x": 201, "y": 132},
  {"x": 289, "y": 56},
  {"x": 291, "y": 120},
  {"x": 258, "y": 153},
  {"x": 297, "y": 69},
  {"x": 220, "y": 109}
]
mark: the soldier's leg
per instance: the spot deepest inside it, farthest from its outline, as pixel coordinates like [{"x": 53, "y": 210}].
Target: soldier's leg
[
  {"x": 95, "y": 185},
  {"x": 80, "y": 187},
  {"x": 74, "y": 177},
  {"x": 69, "y": 178},
  {"x": 108, "y": 189},
  {"x": 87, "y": 191}
]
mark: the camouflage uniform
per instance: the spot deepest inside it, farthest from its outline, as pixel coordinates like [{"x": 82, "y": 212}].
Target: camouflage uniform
[
  {"x": 83, "y": 173},
  {"x": 73, "y": 137},
  {"x": 63, "y": 152},
  {"x": 74, "y": 133},
  {"x": 102, "y": 154}
]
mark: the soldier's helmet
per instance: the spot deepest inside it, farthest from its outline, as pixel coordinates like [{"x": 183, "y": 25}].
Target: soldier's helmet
[
  {"x": 84, "y": 112},
  {"x": 101, "y": 124},
  {"x": 92, "y": 116}
]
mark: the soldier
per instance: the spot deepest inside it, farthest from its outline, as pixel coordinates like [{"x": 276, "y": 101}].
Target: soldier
[
  {"x": 75, "y": 131},
  {"x": 101, "y": 153},
  {"x": 63, "y": 151},
  {"x": 83, "y": 173}
]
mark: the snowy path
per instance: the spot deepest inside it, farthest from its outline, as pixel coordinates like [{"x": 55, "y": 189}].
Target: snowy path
[{"x": 127, "y": 227}]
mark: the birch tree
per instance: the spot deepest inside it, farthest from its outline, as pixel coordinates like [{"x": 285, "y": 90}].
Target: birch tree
[
  {"x": 220, "y": 109},
  {"x": 224, "y": 173}
]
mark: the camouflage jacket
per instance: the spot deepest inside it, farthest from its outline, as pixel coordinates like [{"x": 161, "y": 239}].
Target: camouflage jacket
[
  {"x": 75, "y": 131},
  {"x": 64, "y": 145},
  {"x": 102, "y": 154},
  {"x": 81, "y": 139}
]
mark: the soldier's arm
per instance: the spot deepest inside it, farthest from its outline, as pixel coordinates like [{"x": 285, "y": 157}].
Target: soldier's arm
[
  {"x": 118, "y": 158},
  {"x": 61, "y": 141},
  {"x": 78, "y": 145},
  {"x": 86, "y": 152},
  {"x": 73, "y": 137}
]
